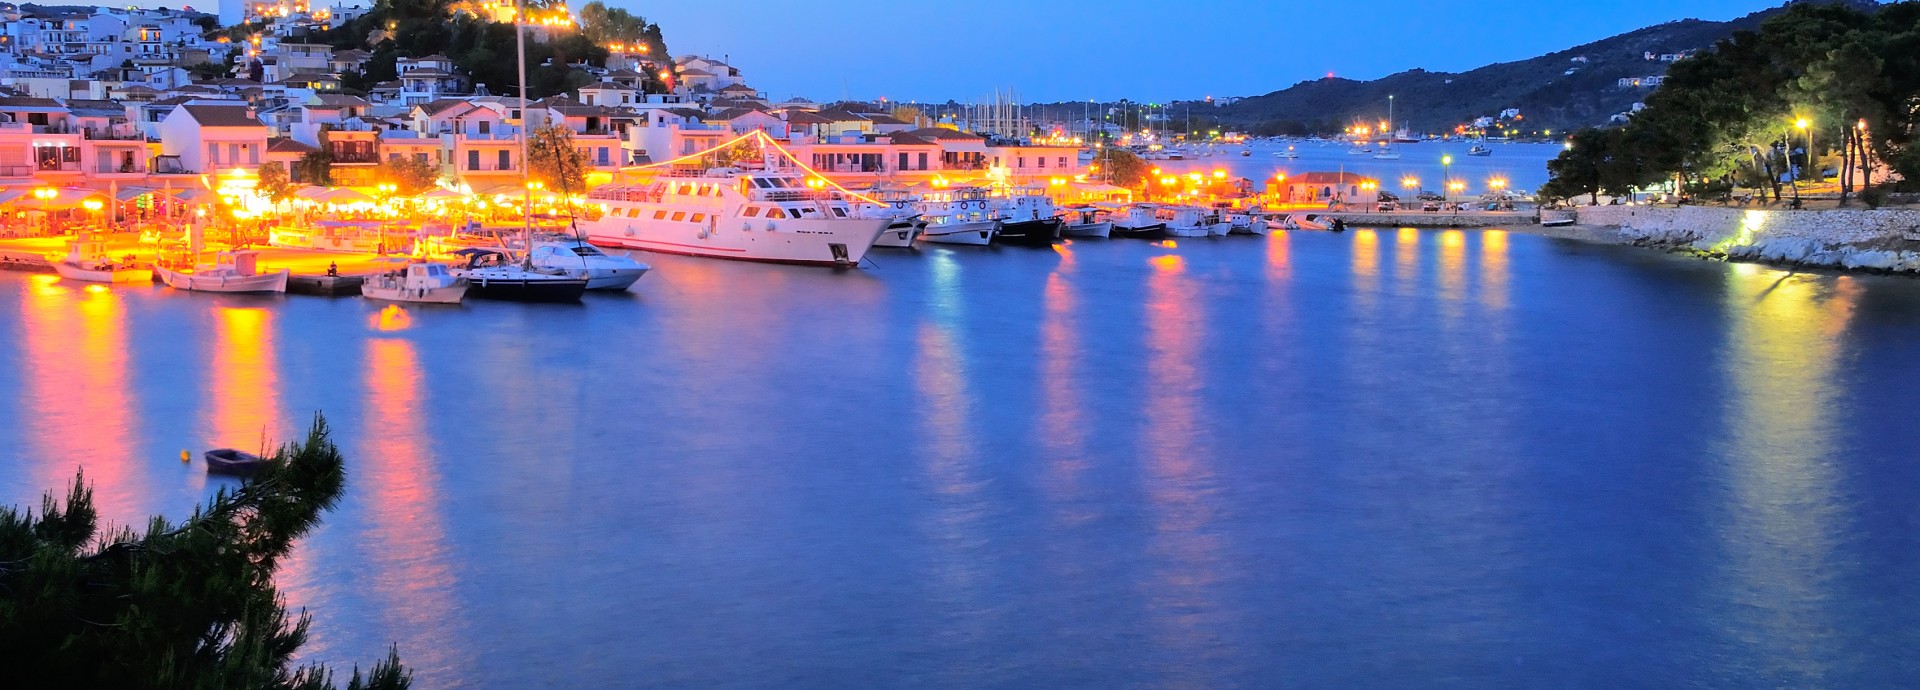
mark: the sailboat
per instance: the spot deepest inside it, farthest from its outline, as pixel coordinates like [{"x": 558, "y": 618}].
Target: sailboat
[
  {"x": 490, "y": 275},
  {"x": 1386, "y": 147}
]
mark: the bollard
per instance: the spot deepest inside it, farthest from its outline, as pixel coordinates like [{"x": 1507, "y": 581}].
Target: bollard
[{"x": 185, "y": 456}]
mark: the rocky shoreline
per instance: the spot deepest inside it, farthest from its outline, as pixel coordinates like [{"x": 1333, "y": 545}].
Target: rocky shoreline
[{"x": 1868, "y": 241}]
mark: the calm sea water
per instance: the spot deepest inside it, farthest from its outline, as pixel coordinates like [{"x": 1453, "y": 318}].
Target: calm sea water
[
  {"x": 1379, "y": 459},
  {"x": 1520, "y": 166}
]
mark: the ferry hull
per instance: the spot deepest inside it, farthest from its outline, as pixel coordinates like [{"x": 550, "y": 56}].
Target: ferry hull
[
  {"x": 818, "y": 242},
  {"x": 977, "y": 234},
  {"x": 899, "y": 235},
  {"x": 1145, "y": 232}
]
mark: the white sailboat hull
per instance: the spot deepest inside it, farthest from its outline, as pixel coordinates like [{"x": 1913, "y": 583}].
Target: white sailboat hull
[{"x": 275, "y": 282}]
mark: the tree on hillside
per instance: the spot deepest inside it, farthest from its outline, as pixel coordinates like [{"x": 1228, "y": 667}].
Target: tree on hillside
[
  {"x": 187, "y": 605},
  {"x": 604, "y": 25},
  {"x": 555, "y": 162}
]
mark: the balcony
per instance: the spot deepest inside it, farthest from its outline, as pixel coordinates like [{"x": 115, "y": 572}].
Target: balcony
[
  {"x": 355, "y": 157},
  {"x": 118, "y": 170},
  {"x": 16, "y": 171},
  {"x": 489, "y": 167},
  {"x": 113, "y": 134}
]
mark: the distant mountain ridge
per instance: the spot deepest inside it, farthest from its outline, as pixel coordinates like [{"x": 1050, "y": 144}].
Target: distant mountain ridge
[{"x": 1547, "y": 95}]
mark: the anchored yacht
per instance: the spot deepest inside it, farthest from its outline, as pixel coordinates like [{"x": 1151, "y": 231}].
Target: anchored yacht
[{"x": 730, "y": 214}]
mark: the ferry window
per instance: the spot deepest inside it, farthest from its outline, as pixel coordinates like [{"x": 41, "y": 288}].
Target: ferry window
[
  {"x": 659, "y": 215},
  {"x": 699, "y": 217},
  {"x": 841, "y": 212},
  {"x": 762, "y": 183},
  {"x": 793, "y": 212},
  {"x": 752, "y": 212},
  {"x": 679, "y": 216}
]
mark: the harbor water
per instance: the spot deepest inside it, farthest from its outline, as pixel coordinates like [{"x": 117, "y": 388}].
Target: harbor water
[{"x": 1394, "y": 458}]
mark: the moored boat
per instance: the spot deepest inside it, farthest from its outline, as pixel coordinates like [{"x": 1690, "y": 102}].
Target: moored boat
[
  {"x": 726, "y": 213},
  {"x": 958, "y": 216},
  {"x": 580, "y": 259},
  {"x": 235, "y": 271},
  {"x": 87, "y": 261},
  {"x": 492, "y": 275},
  {"x": 1138, "y": 222},
  {"x": 228, "y": 461},
  {"x": 421, "y": 283},
  {"x": 1085, "y": 221}
]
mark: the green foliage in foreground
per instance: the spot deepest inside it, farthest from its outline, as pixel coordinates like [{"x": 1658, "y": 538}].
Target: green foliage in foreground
[
  {"x": 187, "y": 605},
  {"x": 1732, "y": 116}
]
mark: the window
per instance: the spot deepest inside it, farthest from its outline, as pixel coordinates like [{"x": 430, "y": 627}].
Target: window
[
  {"x": 1063, "y": 161},
  {"x": 841, "y": 212},
  {"x": 679, "y": 216},
  {"x": 393, "y": 156},
  {"x": 1042, "y": 160},
  {"x": 486, "y": 127},
  {"x": 793, "y": 213},
  {"x": 752, "y": 212},
  {"x": 213, "y": 154},
  {"x": 923, "y": 161},
  {"x": 233, "y": 153},
  {"x": 903, "y": 160},
  {"x": 699, "y": 217},
  {"x": 1022, "y": 163},
  {"x": 422, "y": 157},
  {"x": 506, "y": 163},
  {"x": 659, "y": 215},
  {"x": 253, "y": 154},
  {"x": 473, "y": 160}
]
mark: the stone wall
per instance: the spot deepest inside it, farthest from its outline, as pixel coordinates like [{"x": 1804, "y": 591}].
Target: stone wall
[{"x": 1886, "y": 239}]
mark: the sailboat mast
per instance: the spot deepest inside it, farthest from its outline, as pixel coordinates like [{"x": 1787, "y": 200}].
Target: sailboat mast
[{"x": 526, "y": 164}]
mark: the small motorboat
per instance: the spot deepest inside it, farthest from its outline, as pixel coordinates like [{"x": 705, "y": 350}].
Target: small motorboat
[
  {"x": 1246, "y": 152},
  {"x": 1479, "y": 150},
  {"x": 901, "y": 232},
  {"x": 87, "y": 261},
  {"x": 421, "y": 283},
  {"x": 1288, "y": 154},
  {"x": 1557, "y": 222},
  {"x": 228, "y": 461},
  {"x": 1085, "y": 222},
  {"x": 236, "y": 270},
  {"x": 1338, "y": 226},
  {"x": 1139, "y": 223},
  {"x": 1306, "y": 221}
]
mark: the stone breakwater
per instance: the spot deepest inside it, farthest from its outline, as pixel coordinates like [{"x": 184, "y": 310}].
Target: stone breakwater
[{"x": 1877, "y": 240}]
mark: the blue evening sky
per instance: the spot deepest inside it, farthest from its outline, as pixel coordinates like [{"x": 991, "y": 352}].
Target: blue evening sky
[{"x": 1054, "y": 50}]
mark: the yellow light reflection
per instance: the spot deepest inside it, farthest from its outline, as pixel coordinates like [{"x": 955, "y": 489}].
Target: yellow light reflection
[
  {"x": 1453, "y": 274},
  {"x": 1062, "y": 430},
  {"x": 1785, "y": 347},
  {"x": 1406, "y": 259},
  {"x": 1493, "y": 270}
]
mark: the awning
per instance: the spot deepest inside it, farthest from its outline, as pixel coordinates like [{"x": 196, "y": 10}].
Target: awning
[
  {"x": 62, "y": 199},
  {"x": 312, "y": 193},
  {"x": 441, "y": 194},
  {"x": 344, "y": 195},
  {"x": 8, "y": 195}
]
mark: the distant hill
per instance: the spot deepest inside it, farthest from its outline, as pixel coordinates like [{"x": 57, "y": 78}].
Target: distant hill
[{"x": 1547, "y": 96}]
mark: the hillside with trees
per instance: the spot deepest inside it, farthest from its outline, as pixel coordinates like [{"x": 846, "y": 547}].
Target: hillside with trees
[
  {"x": 1817, "y": 87},
  {"x": 1553, "y": 91}
]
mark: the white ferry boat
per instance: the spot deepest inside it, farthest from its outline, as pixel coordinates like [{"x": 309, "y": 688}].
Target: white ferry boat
[{"x": 729, "y": 214}]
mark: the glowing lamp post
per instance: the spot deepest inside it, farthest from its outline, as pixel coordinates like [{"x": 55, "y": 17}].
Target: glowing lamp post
[{"x": 1446, "y": 173}]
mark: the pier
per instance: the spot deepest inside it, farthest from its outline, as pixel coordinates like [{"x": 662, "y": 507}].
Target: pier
[{"x": 1431, "y": 219}]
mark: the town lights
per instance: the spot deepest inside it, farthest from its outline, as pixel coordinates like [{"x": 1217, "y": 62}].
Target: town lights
[
  {"x": 1409, "y": 182},
  {"x": 92, "y": 205},
  {"x": 45, "y": 193},
  {"x": 1219, "y": 174}
]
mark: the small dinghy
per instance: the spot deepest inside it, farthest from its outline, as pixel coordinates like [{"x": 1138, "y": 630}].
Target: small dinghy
[{"x": 233, "y": 462}]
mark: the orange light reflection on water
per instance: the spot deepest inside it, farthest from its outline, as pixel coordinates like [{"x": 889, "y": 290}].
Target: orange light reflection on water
[
  {"x": 399, "y": 473},
  {"x": 1494, "y": 275},
  {"x": 1179, "y": 483},
  {"x": 75, "y": 346},
  {"x": 243, "y": 409}
]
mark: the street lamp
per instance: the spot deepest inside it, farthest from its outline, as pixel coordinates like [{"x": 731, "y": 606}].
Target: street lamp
[
  {"x": 1806, "y": 127},
  {"x": 1446, "y": 174}
]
